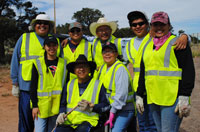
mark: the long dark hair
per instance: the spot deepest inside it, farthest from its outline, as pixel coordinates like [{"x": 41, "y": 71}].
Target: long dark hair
[{"x": 46, "y": 62}]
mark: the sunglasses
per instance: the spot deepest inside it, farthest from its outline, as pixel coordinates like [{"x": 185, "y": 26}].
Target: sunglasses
[
  {"x": 135, "y": 24},
  {"x": 42, "y": 22},
  {"x": 73, "y": 30}
]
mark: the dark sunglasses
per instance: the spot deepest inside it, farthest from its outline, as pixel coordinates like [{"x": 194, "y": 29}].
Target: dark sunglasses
[
  {"x": 42, "y": 22},
  {"x": 73, "y": 30},
  {"x": 135, "y": 24}
]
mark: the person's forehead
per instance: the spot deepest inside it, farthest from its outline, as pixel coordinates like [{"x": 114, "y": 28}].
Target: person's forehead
[
  {"x": 103, "y": 27},
  {"x": 138, "y": 20}
]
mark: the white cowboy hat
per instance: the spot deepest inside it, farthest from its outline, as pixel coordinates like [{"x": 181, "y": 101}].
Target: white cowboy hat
[
  {"x": 43, "y": 17},
  {"x": 102, "y": 21}
]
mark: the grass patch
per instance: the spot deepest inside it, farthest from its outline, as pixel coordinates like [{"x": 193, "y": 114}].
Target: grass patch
[{"x": 195, "y": 50}]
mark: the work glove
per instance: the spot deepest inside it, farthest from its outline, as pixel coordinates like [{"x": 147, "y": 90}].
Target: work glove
[
  {"x": 85, "y": 105},
  {"x": 183, "y": 107},
  {"x": 110, "y": 120},
  {"x": 139, "y": 104},
  {"x": 15, "y": 90},
  {"x": 61, "y": 119}
]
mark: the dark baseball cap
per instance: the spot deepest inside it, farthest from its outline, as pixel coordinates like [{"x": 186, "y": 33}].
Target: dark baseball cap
[
  {"x": 50, "y": 39},
  {"x": 109, "y": 45}
]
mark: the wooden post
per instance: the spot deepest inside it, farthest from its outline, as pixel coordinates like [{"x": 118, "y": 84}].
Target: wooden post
[{"x": 55, "y": 17}]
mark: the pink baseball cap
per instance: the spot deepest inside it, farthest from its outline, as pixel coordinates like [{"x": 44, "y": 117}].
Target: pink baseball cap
[{"x": 160, "y": 17}]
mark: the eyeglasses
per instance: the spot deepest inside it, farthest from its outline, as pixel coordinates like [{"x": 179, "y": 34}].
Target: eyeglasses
[
  {"x": 42, "y": 22},
  {"x": 135, "y": 24},
  {"x": 73, "y": 30}
]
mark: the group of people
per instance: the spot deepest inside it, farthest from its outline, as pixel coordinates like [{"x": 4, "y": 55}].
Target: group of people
[{"x": 79, "y": 86}]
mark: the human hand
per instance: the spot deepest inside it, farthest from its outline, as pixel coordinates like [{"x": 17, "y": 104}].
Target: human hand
[
  {"x": 35, "y": 112},
  {"x": 181, "y": 42},
  {"x": 110, "y": 120},
  {"x": 139, "y": 104},
  {"x": 64, "y": 43},
  {"x": 15, "y": 90},
  {"x": 183, "y": 107},
  {"x": 85, "y": 105},
  {"x": 61, "y": 118}
]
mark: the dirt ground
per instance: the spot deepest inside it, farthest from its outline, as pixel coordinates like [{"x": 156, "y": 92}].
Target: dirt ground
[{"x": 9, "y": 104}]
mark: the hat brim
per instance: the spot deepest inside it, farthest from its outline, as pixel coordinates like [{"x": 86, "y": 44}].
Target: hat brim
[
  {"x": 34, "y": 21},
  {"x": 71, "y": 66},
  {"x": 95, "y": 25}
]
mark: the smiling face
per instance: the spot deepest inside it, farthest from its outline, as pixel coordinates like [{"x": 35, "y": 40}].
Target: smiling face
[
  {"x": 75, "y": 34},
  {"x": 82, "y": 71},
  {"x": 109, "y": 56},
  {"x": 139, "y": 27},
  {"x": 42, "y": 28},
  {"x": 51, "y": 50},
  {"x": 160, "y": 29},
  {"x": 103, "y": 32}
]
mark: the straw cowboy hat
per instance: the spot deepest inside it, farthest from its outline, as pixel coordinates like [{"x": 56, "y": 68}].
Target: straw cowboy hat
[
  {"x": 102, "y": 21},
  {"x": 42, "y": 17},
  {"x": 81, "y": 60}
]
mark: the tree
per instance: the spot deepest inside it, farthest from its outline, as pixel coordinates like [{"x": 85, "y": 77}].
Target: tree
[
  {"x": 124, "y": 32},
  {"x": 12, "y": 25},
  {"x": 86, "y": 16}
]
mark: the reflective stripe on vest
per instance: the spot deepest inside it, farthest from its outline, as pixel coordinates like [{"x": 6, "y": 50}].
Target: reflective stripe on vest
[
  {"x": 85, "y": 112},
  {"x": 41, "y": 73},
  {"x": 94, "y": 49},
  {"x": 164, "y": 73},
  {"x": 27, "y": 50},
  {"x": 95, "y": 89},
  {"x": 54, "y": 92},
  {"x": 129, "y": 49},
  {"x": 86, "y": 49}
]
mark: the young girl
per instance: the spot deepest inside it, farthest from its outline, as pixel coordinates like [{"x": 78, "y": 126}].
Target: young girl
[
  {"x": 167, "y": 75},
  {"x": 48, "y": 78}
]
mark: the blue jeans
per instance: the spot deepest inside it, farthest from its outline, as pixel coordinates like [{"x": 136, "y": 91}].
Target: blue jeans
[
  {"x": 83, "y": 127},
  {"x": 122, "y": 120},
  {"x": 45, "y": 124},
  {"x": 146, "y": 122},
  {"x": 26, "y": 123},
  {"x": 165, "y": 118}
]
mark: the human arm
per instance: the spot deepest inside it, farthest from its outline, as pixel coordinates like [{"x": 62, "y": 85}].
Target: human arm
[
  {"x": 15, "y": 62},
  {"x": 64, "y": 42},
  {"x": 34, "y": 87},
  {"x": 186, "y": 85},
  {"x": 182, "y": 41},
  {"x": 122, "y": 85},
  {"x": 103, "y": 104}
]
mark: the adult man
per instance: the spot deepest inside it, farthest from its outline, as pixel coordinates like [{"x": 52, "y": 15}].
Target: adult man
[
  {"x": 103, "y": 30},
  {"x": 140, "y": 26},
  {"x": 76, "y": 45},
  {"x": 28, "y": 47}
]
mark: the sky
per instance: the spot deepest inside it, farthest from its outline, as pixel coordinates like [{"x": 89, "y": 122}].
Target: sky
[{"x": 183, "y": 14}]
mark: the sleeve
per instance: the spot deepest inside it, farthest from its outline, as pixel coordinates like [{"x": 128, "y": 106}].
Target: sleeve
[
  {"x": 34, "y": 87},
  {"x": 121, "y": 84},
  {"x": 103, "y": 105},
  {"x": 185, "y": 61},
  {"x": 141, "y": 82},
  {"x": 15, "y": 62}
]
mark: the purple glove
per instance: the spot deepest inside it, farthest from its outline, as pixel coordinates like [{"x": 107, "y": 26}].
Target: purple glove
[{"x": 110, "y": 120}]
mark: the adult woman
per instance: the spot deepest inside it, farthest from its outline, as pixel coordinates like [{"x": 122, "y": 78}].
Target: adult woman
[
  {"x": 118, "y": 84},
  {"x": 168, "y": 76},
  {"x": 48, "y": 78},
  {"x": 86, "y": 92}
]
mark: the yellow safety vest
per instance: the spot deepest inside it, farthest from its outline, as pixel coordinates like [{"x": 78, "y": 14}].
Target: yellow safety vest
[
  {"x": 108, "y": 79},
  {"x": 90, "y": 94},
  {"x": 31, "y": 49},
  {"x": 97, "y": 49},
  {"x": 84, "y": 47},
  {"x": 162, "y": 73},
  {"x": 50, "y": 87},
  {"x": 134, "y": 56}
]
